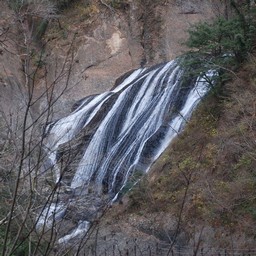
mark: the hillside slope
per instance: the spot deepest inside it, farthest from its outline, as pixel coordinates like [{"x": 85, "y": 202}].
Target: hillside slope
[{"x": 201, "y": 192}]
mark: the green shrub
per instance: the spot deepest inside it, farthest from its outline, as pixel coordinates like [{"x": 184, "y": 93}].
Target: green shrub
[{"x": 221, "y": 39}]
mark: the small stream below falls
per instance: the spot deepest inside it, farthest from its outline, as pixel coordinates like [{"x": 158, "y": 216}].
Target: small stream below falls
[{"x": 108, "y": 142}]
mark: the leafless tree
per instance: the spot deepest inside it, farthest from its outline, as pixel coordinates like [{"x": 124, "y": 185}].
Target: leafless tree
[{"x": 25, "y": 195}]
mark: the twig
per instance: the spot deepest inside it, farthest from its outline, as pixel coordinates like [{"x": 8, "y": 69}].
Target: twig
[
  {"x": 3, "y": 221},
  {"x": 108, "y": 6}
]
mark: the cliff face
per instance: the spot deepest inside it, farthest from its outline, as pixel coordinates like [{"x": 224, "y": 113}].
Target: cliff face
[
  {"x": 109, "y": 42},
  {"x": 89, "y": 45}
]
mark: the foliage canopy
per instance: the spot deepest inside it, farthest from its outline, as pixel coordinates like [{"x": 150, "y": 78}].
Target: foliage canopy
[{"x": 220, "y": 38}]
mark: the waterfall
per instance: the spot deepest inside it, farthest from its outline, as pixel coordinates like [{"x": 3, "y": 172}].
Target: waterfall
[
  {"x": 115, "y": 136},
  {"x": 132, "y": 125}
]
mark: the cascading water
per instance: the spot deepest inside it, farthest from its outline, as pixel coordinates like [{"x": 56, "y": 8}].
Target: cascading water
[{"x": 118, "y": 134}]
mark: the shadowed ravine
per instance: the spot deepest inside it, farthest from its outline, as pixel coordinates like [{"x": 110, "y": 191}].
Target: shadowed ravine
[{"x": 113, "y": 137}]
